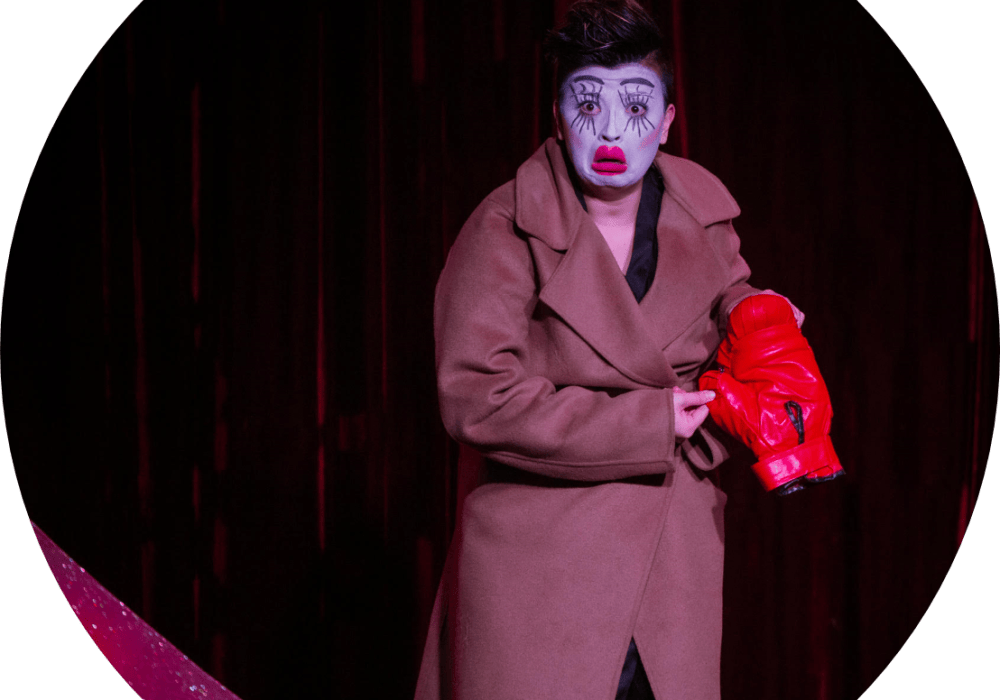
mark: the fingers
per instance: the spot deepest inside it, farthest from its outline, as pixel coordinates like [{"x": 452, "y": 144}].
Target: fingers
[
  {"x": 688, "y": 421},
  {"x": 690, "y": 399},
  {"x": 800, "y": 317},
  {"x": 690, "y": 410},
  {"x": 709, "y": 381}
]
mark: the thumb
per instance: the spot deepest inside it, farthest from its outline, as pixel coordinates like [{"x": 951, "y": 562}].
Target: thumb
[
  {"x": 689, "y": 399},
  {"x": 709, "y": 381}
]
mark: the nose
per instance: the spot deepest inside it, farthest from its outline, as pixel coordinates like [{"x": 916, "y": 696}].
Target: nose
[{"x": 615, "y": 125}]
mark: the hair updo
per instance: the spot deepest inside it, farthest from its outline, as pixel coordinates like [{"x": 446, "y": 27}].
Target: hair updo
[{"x": 608, "y": 34}]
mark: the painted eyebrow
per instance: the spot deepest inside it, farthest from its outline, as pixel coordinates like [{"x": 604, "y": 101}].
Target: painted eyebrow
[
  {"x": 591, "y": 79},
  {"x": 640, "y": 81}
]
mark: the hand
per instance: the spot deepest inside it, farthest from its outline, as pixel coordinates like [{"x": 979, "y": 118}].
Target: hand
[
  {"x": 800, "y": 317},
  {"x": 689, "y": 411}
]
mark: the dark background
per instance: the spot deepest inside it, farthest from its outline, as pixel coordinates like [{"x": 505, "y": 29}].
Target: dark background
[{"x": 217, "y": 356}]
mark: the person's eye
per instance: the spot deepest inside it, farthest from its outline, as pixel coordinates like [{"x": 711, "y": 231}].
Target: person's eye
[
  {"x": 636, "y": 110},
  {"x": 590, "y": 108}
]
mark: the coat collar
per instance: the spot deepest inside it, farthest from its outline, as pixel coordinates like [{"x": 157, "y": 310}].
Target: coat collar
[
  {"x": 546, "y": 205},
  {"x": 589, "y": 291}
]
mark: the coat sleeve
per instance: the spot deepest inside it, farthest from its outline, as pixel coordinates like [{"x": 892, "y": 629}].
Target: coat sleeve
[
  {"x": 739, "y": 272},
  {"x": 485, "y": 299},
  {"x": 706, "y": 450}
]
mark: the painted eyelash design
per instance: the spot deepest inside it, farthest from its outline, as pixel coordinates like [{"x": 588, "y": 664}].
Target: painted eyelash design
[
  {"x": 636, "y": 121},
  {"x": 586, "y": 120}
]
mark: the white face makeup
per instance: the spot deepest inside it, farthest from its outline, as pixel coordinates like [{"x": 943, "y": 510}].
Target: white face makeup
[{"x": 613, "y": 120}]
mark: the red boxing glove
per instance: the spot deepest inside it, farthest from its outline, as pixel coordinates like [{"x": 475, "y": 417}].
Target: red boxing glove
[{"x": 770, "y": 395}]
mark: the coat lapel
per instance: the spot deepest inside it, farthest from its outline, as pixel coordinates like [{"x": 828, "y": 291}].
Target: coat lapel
[
  {"x": 688, "y": 276},
  {"x": 689, "y": 273},
  {"x": 587, "y": 289},
  {"x": 590, "y": 293}
]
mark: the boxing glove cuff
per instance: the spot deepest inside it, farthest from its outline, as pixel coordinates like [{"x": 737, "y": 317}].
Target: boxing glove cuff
[{"x": 800, "y": 461}]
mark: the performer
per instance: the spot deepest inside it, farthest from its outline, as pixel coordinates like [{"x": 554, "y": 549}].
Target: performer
[{"x": 578, "y": 307}]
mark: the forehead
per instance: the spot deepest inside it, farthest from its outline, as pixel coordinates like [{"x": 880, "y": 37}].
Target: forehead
[{"x": 631, "y": 76}]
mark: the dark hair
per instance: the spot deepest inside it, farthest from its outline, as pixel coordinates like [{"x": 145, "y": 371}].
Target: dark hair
[{"x": 608, "y": 34}]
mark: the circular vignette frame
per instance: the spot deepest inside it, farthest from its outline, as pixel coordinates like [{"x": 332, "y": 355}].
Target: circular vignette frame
[{"x": 45, "y": 46}]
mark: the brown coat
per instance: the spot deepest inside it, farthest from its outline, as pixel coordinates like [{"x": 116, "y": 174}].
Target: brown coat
[{"x": 594, "y": 526}]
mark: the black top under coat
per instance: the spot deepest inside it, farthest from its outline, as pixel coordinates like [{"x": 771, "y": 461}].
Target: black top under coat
[{"x": 642, "y": 265}]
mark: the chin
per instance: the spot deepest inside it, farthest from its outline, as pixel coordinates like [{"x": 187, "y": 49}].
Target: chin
[{"x": 626, "y": 179}]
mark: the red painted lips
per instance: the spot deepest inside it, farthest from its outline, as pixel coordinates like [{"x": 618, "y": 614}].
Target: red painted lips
[{"x": 609, "y": 160}]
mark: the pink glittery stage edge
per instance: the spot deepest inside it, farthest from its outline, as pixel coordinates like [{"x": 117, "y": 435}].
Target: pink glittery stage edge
[{"x": 154, "y": 667}]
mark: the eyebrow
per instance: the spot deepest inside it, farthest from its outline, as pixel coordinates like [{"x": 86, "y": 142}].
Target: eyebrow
[
  {"x": 589, "y": 79},
  {"x": 640, "y": 81}
]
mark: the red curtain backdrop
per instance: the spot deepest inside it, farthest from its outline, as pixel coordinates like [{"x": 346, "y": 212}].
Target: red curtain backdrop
[{"x": 218, "y": 364}]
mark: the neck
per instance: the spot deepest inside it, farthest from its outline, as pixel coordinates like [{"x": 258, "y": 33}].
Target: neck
[{"x": 614, "y": 207}]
